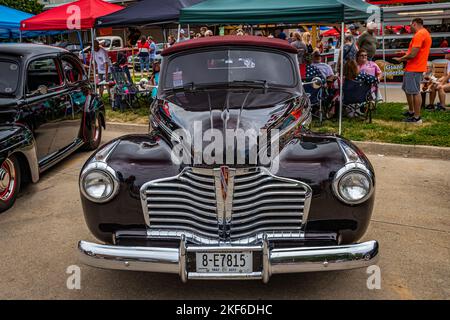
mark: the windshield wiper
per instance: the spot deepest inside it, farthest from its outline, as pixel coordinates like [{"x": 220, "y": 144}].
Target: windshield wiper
[{"x": 261, "y": 83}]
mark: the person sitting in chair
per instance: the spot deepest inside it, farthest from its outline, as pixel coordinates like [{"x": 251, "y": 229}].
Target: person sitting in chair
[
  {"x": 351, "y": 72},
  {"x": 440, "y": 87}
]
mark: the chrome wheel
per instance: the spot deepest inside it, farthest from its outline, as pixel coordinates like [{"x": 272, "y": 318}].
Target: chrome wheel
[{"x": 7, "y": 180}]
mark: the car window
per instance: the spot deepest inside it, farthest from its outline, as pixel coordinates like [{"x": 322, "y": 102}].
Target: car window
[
  {"x": 224, "y": 66},
  {"x": 9, "y": 79},
  {"x": 43, "y": 73},
  {"x": 105, "y": 43},
  {"x": 72, "y": 70},
  {"x": 116, "y": 43}
]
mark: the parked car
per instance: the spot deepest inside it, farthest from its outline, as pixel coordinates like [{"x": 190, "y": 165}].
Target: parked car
[
  {"x": 133, "y": 60},
  {"x": 113, "y": 44},
  {"x": 72, "y": 47},
  {"x": 47, "y": 112},
  {"x": 161, "y": 205}
]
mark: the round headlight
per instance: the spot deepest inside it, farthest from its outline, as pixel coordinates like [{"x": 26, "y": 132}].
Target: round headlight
[
  {"x": 98, "y": 185},
  {"x": 353, "y": 185}
]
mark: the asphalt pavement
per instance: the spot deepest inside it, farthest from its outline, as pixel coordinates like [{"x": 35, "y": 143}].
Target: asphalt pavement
[{"x": 411, "y": 220}]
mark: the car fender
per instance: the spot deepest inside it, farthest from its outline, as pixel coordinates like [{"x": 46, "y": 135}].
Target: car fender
[
  {"x": 315, "y": 159},
  {"x": 136, "y": 159},
  {"x": 93, "y": 108},
  {"x": 19, "y": 139}
]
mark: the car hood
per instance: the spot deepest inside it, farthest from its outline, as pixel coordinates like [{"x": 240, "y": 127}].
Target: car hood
[{"x": 226, "y": 111}]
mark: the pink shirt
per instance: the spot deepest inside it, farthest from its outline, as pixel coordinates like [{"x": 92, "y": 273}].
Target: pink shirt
[{"x": 371, "y": 68}]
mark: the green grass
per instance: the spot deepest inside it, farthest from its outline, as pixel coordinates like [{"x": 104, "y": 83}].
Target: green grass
[{"x": 386, "y": 126}]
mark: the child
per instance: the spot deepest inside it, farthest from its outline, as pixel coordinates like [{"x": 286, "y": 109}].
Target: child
[{"x": 154, "y": 79}]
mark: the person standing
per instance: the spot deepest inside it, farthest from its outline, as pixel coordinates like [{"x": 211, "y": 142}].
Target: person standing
[
  {"x": 416, "y": 64},
  {"x": 144, "y": 55},
  {"x": 182, "y": 36},
  {"x": 102, "y": 62},
  {"x": 153, "y": 49},
  {"x": 307, "y": 40},
  {"x": 300, "y": 46},
  {"x": 350, "y": 49},
  {"x": 354, "y": 31},
  {"x": 282, "y": 35},
  {"x": 368, "y": 41}
]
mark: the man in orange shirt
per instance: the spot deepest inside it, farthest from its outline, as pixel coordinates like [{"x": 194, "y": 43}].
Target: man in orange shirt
[{"x": 416, "y": 64}]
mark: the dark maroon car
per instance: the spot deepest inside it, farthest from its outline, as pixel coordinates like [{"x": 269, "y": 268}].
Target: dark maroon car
[{"x": 229, "y": 183}]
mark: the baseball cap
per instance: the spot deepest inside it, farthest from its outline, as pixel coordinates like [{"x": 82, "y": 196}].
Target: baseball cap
[
  {"x": 352, "y": 27},
  {"x": 182, "y": 31}
]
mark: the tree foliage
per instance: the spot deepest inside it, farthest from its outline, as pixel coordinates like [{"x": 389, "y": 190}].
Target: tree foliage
[{"x": 30, "y": 6}]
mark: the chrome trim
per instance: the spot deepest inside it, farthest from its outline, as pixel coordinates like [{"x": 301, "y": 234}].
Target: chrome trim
[
  {"x": 102, "y": 167},
  {"x": 184, "y": 203},
  {"x": 349, "y": 154},
  {"x": 274, "y": 261},
  {"x": 224, "y": 204},
  {"x": 193, "y": 237},
  {"x": 105, "y": 152},
  {"x": 352, "y": 167}
]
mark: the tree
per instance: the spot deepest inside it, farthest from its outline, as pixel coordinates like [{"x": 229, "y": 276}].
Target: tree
[{"x": 30, "y": 6}]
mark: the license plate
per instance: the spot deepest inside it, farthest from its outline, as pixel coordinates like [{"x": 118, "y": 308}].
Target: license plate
[{"x": 224, "y": 262}]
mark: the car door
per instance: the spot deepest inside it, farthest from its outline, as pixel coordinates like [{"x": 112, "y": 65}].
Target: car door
[
  {"x": 70, "y": 115},
  {"x": 46, "y": 103}
]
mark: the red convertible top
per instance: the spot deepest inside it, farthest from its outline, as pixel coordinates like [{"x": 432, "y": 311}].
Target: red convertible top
[{"x": 230, "y": 40}]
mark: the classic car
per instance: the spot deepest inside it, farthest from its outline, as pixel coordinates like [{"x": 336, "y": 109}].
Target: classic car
[
  {"x": 47, "y": 111},
  {"x": 158, "y": 205},
  {"x": 114, "y": 45}
]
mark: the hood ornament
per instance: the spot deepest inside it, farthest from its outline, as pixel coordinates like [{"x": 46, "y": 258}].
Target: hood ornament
[{"x": 224, "y": 177}]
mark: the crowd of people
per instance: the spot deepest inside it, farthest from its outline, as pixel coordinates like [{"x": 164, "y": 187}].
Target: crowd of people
[{"x": 358, "y": 53}]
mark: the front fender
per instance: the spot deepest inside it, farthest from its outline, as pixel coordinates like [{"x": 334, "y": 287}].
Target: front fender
[
  {"x": 136, "y": 159},
  {"x": 315, "y": 159},
  {"x": 19, "y": 139}
]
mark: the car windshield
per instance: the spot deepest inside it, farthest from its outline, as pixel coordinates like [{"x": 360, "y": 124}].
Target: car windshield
[
  {"x": 230, "y": 66},
  {"x": 10, "y": 77},
  {"x": 105, "y": 43}
]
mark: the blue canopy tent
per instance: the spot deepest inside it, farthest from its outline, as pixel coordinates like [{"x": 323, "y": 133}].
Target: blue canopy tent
[{"x": 10, "y": 22}]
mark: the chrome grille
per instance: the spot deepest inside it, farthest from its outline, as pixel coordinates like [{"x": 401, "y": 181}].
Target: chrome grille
[
  {"x": 185, "y": 202},
  {"x": 261, "y": 202}
]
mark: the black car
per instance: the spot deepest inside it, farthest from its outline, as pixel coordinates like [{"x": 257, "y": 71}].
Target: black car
[
  {"x": 47, "y": 111},
  {"x": 230, "y": 183}
]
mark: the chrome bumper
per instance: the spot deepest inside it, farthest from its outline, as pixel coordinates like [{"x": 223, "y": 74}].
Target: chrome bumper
[{"x": 274, "y": 261}]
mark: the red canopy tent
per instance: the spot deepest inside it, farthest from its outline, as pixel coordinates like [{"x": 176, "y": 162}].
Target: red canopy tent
[
  {"x": 65, "y": 17},
  {"x": 332, "y": 33},
  {"x": 78, "y": 15}
]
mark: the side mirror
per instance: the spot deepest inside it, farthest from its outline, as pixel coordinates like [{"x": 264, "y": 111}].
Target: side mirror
[{"x": 316, "y": 83}]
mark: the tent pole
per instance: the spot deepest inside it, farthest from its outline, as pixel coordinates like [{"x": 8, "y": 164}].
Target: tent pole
[
  {"x": 341, "y": 78},
  {"x": 384, "y": 59},
  {"x": 20, "y": 35},
  {"x": 189, "y": 32},
  {"x": 81, "y": 46},
  {"x": 179, "y": 30},
  {"x": 93, "y": 60}
]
